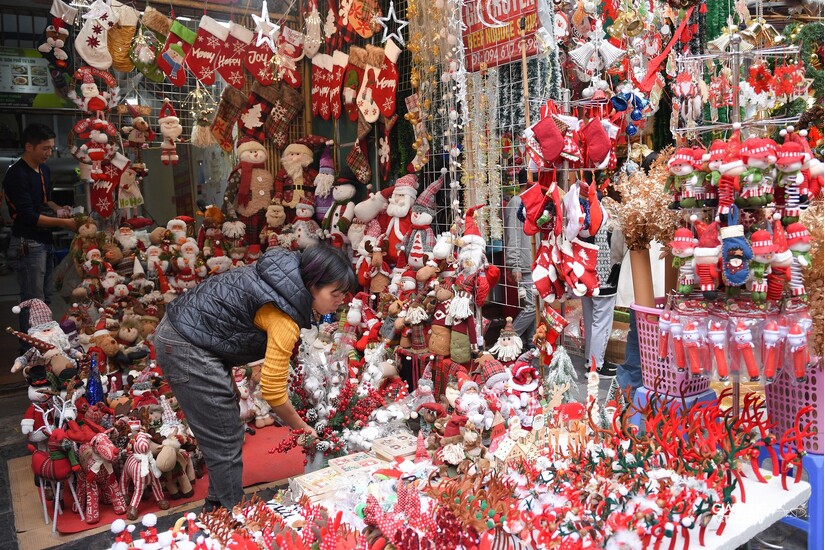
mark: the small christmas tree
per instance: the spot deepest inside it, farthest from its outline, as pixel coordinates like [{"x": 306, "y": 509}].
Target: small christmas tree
[
  {"x": 421, "y": 453},
  {"x": 560, "y": 372}
]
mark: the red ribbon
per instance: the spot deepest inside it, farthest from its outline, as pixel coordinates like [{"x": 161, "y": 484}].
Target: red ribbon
[{"x": 647, "y": 84}]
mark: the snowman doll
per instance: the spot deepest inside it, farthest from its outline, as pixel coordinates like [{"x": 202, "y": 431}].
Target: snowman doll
[
  {"x": 340, "y": 214},
  {"x": 684, "y": 179},
  {"x": 305, "y": 230},
  {"x": 682, "y": 248},
  {"x": 757, "y": 179},
  {"x": 760, "y": 265}
]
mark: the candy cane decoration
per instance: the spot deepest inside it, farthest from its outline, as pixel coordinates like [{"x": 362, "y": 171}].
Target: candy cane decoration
[{"x": 717, "y": 336}]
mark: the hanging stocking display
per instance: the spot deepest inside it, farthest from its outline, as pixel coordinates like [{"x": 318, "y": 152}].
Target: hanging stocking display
[
  {"x": 174, "y": 52},
  {"x": 372, "y": 68},
  {"x": 340, "y": 60},
  {"x": 128, "y": 191},
  {"x": 290, "y": 52},
  {"x": 144, "y": 54},
  {"x": 384, "y": 141},
  {"x": 286, "y": 104},
  {"x": 319, "y": 93},
  {"x": 229, "y": 63},
  {"x": 359, "y": 163},
  {"x": 120, "y": 36},
  {"x": 353, "y": 75},
  {"x": 91, "y": 42},
  {"x": 233, "y": 101},
  {"x": 736, "y": 252},
  {"x": 258, "y": 61},
  {"x": 257, "y": 111},
  {"x": 54, "y": 46},
  {"x": 385, "y": 87},
  {"x": 201, "y": 58},
  {"x": 102, "y": 191}
]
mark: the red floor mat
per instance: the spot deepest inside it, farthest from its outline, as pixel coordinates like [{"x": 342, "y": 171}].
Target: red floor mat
[{"x": 259, "y": 467}]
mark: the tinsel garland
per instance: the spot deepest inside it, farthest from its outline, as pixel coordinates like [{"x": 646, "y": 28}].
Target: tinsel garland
[
  {"x": 554, "y": 84},
  {"x": 808, "y": 37},
  {"x": 812, "y": 219},
  {"x": 493, "y": 171},
  {"x": 716, "y": 18}
]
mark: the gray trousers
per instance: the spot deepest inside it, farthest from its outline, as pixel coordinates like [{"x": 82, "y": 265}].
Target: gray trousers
[
  {"x": 598, "y": 322},
  {"x": 525, "y": 322},
  {"x": 205, "y": 390}
]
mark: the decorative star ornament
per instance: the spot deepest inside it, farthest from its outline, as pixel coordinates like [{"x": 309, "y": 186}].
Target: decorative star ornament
[
  {"x": 267, "y": 30},
  {"x": 391, "y": 17}
]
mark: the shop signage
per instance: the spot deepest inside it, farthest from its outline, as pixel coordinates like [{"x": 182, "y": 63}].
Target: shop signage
[
  {"x": 493, "y": 35},
  {"x": 25, "y": 81}
]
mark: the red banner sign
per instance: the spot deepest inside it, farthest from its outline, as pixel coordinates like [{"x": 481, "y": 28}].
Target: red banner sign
[{"x": 496, "y": 45}]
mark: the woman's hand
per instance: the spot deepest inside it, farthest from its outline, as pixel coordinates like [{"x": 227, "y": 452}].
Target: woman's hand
[{"x": 308, "y": 438}]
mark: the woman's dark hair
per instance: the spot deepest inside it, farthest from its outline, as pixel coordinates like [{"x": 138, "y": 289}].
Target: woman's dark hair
[
  {"x": 323, "y": 265},
  {"x": 37, "y": 134}
]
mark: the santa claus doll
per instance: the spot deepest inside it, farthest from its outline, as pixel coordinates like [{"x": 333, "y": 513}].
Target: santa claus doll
[
  {"x": 296, "y": 179},
  {"x": 210, "y": 236},
  {"x": 509, "y": 344},
  {"x": 421, "y": 238},
  {"x": 371, "y": 267},
  {"x": 399, "y": 212},
  {"x": 249, "y": 188},
  {"x": 275, "y": 220}
]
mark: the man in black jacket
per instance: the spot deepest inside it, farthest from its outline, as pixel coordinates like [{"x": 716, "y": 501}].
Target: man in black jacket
[{"x": 27, "y": 188}]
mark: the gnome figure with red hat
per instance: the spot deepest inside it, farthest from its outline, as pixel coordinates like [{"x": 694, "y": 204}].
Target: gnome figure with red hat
[
  {"x": 524, "y": 392},
  {"x": 171, "y": 130},
  {"x": 763, "y": 248},
  {"x": 249, "y": 188},
  {"x": 682, "y": 247},
  {"x": 757, "y": 180},
  {"x": 789, "y": 162},
  {"x": 421, "y": 238},
  {"x": 508, "y": 347}
]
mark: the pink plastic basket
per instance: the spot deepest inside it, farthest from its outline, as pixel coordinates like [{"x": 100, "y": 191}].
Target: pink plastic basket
[
  {"x": 785, "y": 397},
  {"x": 661, "y": 371}
]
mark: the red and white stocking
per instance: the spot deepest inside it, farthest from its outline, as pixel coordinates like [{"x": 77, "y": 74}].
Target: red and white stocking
[
  {"x": 291, "y": 51},
  {"x": 353, "y": 76},
  {"x": 174, "y": 53},
  {"x": 229, "y": 63},
  {"x": 321, "y": 77},
  {"x": 385, "y": 87},
  {"x": 201, "y": 58},
  {"x": 257, "y": 62},
  {"x": 339, "y": 63},
  {"x": 583, "y": 267},
  {"x": 372, "y": 68}
]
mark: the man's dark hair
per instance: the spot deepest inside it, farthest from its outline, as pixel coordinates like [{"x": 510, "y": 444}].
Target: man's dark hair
[
  {"x": 323, "y": 265},
  {"x": 37, "y": 134}
]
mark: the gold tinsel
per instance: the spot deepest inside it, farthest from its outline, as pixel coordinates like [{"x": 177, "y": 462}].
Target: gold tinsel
[
  {"x": 812, "y": 218},
  {"x": 643, "y": 211}
]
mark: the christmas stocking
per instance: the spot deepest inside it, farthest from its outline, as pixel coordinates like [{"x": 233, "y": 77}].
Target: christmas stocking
[
  {"x": 549, "y": 138},
  {"x": 321, "y": 76},
  {"x": 257, "y": 60},
  {"x": 736, "y": 252},
  {"x": 362, "y": 16},
  {"x": 312, "y": 39},
  {"x": 229, "y": 64},
  {"x": 545, "y": 276},
  {"x": 358, "y": 162},
  {"x": 384, "y": 141},
  {"x": 102, "y": 191},
  {"x": 91, "y": 41},
  {"x": 372, "y": 68},
  {"x": 53, "y": 46},
  {"x": 291, "y": 51},
  {"x": 385, "y": 87},
  {"x": 121, "y": 35},
  {"x": 583, "y": 267},
  {"x": 287, "y": 103},
  {"x": 171, "y": 59},
  {"x": 128, "y": 191},
  {"x": 201, "y": 58},
  {"x": 597, "y": 141},
  {"x": 353, "y": 75},
  {"x": 258, "y": 109},
  {"x": 233, "y": 101},
  {"x": 144, "y": 54},
  {"x": 339, "y": 64}
]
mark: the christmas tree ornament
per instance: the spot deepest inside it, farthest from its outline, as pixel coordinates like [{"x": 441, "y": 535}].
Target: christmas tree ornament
[
  {"x": 266, "y": 29},
  {"x": 173, "y": 55},
  {"x": 596, "y": 50},
  {"x": 144, "y": 53},
  {"x": 391, "y": 20},
  {"x": 204, "y": 52}
]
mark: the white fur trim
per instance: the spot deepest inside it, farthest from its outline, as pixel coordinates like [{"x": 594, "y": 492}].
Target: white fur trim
[
  {"x": 731, "y": 232},
  {"x": 339, "y": 58},
  {"x": 700, "y": 252},
  {"x": 369, "y": 209},
  {"x": 391, "y": 50},
  {"x": 241, "y": 33},
  {"x": 209, "y": 24},
  {"x": 323, "y": 61}
]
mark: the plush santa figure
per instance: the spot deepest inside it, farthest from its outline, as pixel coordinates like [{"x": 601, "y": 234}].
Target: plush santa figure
[
  {"x": 253, "y": 253},
  {"x": 371, "y": 266},
  {"x": 374, "y": 207},
  {"x": 249, "y": 188},
  {"x": 126, "y": 239},
  {"x": 421, "y": 238},
  {"x": 524, "y": 394},
  {"x": 178, "y": 230},
  {"x": 474, "y": 272},
  {"x": 509, "y": 345},
  {"x": 43, "y": 328},
  {"x": 340, "y": 213},
  {"x": 295, "y": 179},
  {"x": 399, "y": 212},
  {"x": 210, "y": 236},
  {"x": 275, "y": 220},
  {"x": 171, "y": 130},
  {"x": 156, "y": 260}
]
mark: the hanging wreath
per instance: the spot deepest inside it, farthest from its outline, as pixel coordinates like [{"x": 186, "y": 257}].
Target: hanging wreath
[{"x": 92, "y": 100}]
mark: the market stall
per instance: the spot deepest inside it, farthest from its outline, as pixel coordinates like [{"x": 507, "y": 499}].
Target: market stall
[{"x": 465, "y": 157}]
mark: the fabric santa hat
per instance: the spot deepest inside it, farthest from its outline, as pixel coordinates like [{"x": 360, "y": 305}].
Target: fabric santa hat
[
  {"x": 716, "y": 151},
  {"x": 370, "y": 208},
  {"x": 492, "y": 371},
  {"x": 407, "y": 185},
  {"x": 471, "y": 233},
  {"x": 40, "y": 315},
  {"x": 438, "y": 409},
  {"x": 789, "y": 153},
  {"x": 761, "y": 242},
  {"x": 326, "y": 172},
  {"x": 167, "y": 113},
  {"x": 138, "y": 223},
  {"x": 708, "y": 244},
  {"x": 733, "y": 154},
  {"x": 218, "y": 252},
  {"x": 683, "y": 239},
  {"x": 758, "y": 148},
  {"x": 682, "y": 155},
  {"x": 465, "y": 382},
  {"x": 426, "y": 202},
  {"x": 519, "y": 380},
  {"x": 41, "y": 346},
  {"x": 797, "y": 234},
  {"x": 454, "y": 425},
  {"x": 247, "y": 143},
  {"x": 781, "y": 253},
  {"x": 298, "y": 148}
]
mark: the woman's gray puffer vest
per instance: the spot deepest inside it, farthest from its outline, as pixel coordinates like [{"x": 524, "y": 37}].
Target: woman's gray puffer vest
[{"x": 218, "y": 315}]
